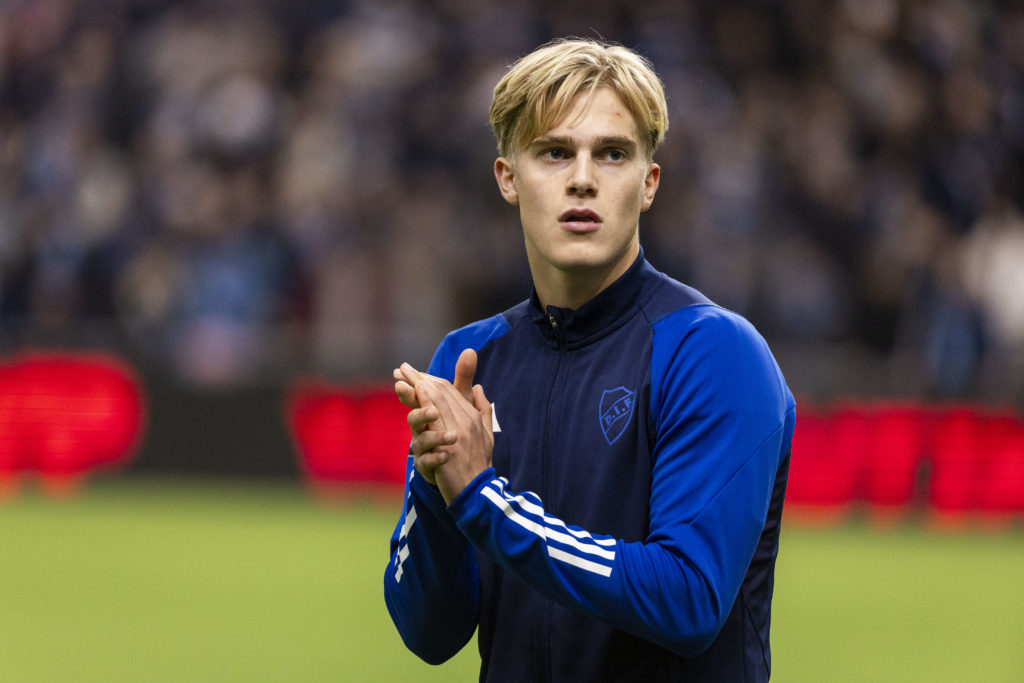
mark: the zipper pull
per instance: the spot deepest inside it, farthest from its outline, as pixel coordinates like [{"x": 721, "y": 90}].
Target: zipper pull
[{"x": 555, "y": 328}]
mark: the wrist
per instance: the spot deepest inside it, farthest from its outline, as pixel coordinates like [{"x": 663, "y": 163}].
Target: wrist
[
  {"x": 453, "y": 479},
  {"x": 457, "y": 507},
  {"x": 427, "y": 493}
]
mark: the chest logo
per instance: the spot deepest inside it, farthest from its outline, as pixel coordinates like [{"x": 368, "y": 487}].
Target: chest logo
[{"x": 615, "y": 412}]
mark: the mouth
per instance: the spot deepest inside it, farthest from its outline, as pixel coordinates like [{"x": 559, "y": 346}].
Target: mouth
[{"x": 580, "y": 220}]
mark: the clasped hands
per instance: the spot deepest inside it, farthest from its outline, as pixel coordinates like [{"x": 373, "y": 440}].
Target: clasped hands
[{"x": 452, "y": 433}]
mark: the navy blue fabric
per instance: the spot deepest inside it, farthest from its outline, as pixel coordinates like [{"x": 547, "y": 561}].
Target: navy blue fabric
[{"x": 628, "y": 528}]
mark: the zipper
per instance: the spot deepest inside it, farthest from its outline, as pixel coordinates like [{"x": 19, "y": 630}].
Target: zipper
[
  {"x": 557, "y": 330},
  {"x": 552, "y": 422}
]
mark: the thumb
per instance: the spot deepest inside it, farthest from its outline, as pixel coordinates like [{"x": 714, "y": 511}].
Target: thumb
[
  {"x": 483, "y": 406},
  {"x": 465, "y": 371}
]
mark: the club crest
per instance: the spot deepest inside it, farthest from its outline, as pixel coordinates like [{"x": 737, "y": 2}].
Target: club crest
[{"x": 615, "y": 412}]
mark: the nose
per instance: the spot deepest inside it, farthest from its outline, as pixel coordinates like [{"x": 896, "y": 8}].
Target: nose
[{"x": 582, "y": 180}]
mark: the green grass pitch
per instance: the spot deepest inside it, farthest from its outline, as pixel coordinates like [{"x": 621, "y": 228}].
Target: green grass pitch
[{"x": 139, "y": 580}]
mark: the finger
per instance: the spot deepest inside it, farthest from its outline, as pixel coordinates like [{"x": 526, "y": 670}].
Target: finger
[
  {"x": 406, "y": 394},
  {"x": 410, "y": 374},
  {"x": 417, "y": 380},
  {"x": 431, "y": 440},
  {"x": 430, "y": 460},
  {"x": 419, "y": 418},
  {"x": 465, "y": 371}
]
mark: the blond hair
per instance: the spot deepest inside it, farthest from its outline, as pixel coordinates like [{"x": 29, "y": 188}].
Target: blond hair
[{"x": 539, "y": 89}]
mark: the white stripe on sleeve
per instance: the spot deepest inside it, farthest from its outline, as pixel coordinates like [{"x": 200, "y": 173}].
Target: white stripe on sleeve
[
  {"x": 578, "y": 547},
  {"x": 403, "y": 545}
]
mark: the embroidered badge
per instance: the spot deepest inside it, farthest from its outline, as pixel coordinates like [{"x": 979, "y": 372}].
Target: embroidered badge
[{"x": 615, "y": 412}]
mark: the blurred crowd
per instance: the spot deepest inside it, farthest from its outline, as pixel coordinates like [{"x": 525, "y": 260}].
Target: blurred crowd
[{"x": 241, "y": 190}]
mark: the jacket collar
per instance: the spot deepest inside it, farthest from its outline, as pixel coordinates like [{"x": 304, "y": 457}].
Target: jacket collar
[{"x": 602, "y": 314}]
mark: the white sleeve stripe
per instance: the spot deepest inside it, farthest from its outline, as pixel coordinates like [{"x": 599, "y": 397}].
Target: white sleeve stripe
[
  {"x": 410, "y": 519},
  {"x": 569, "y": 558},
  {"x": 530, "y": 507},
  {"x": 403, "y": 551},
  {"x": 543, "y": 532}
]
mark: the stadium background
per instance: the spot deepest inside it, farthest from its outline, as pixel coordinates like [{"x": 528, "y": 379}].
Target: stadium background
[{"x": 251, "y": 211}]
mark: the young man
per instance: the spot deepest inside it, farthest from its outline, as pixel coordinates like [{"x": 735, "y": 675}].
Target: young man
[{"x": 609, "y": 510}]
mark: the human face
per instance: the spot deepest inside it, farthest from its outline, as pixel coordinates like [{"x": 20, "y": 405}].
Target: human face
[{"x": 580, "y": 188}]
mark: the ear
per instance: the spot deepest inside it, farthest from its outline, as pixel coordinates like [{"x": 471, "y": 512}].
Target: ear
[
  {"x": 650, "y": 185},
  {"x": 505, "y": 174}
]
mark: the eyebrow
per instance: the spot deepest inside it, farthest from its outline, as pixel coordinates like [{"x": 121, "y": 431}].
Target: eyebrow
[{"x": 605, "y": 141}]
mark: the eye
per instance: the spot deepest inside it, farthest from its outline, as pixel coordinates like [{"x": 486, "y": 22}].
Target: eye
[
  {"x": 554, "y": 154},
  {"x": 614, "y": 154}
]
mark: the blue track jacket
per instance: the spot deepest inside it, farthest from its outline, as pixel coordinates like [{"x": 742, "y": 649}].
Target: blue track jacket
[{"x": 629, "y": 526}]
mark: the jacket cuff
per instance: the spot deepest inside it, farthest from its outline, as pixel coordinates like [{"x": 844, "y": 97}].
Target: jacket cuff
[
  {"x": 429, "y": 495},
  {"x": 469, "y": 498}
]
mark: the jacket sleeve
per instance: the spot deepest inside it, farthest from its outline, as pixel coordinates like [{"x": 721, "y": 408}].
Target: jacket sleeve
[
  {"x": 723, "y": 418},
  {"x": 431, "y": 584}
]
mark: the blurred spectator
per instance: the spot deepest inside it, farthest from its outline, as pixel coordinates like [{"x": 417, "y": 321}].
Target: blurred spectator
[
  {"x": 994, "y": 280},
  {"x": 237, "y": 191}
]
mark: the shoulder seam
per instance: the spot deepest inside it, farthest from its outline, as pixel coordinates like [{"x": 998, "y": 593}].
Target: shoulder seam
[{"x": 695, "y": 304}]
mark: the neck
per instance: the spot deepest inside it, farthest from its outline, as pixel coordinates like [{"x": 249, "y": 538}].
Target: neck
[{"x": 573, "y": 287}]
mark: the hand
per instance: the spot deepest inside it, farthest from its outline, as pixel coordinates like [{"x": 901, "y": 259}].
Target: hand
[
  {"x": 465, "y": 371},
  {"x": 422, "y": 418},
  {"x": 464, "y": 449},
  {"x": 453, "y": 434}
]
